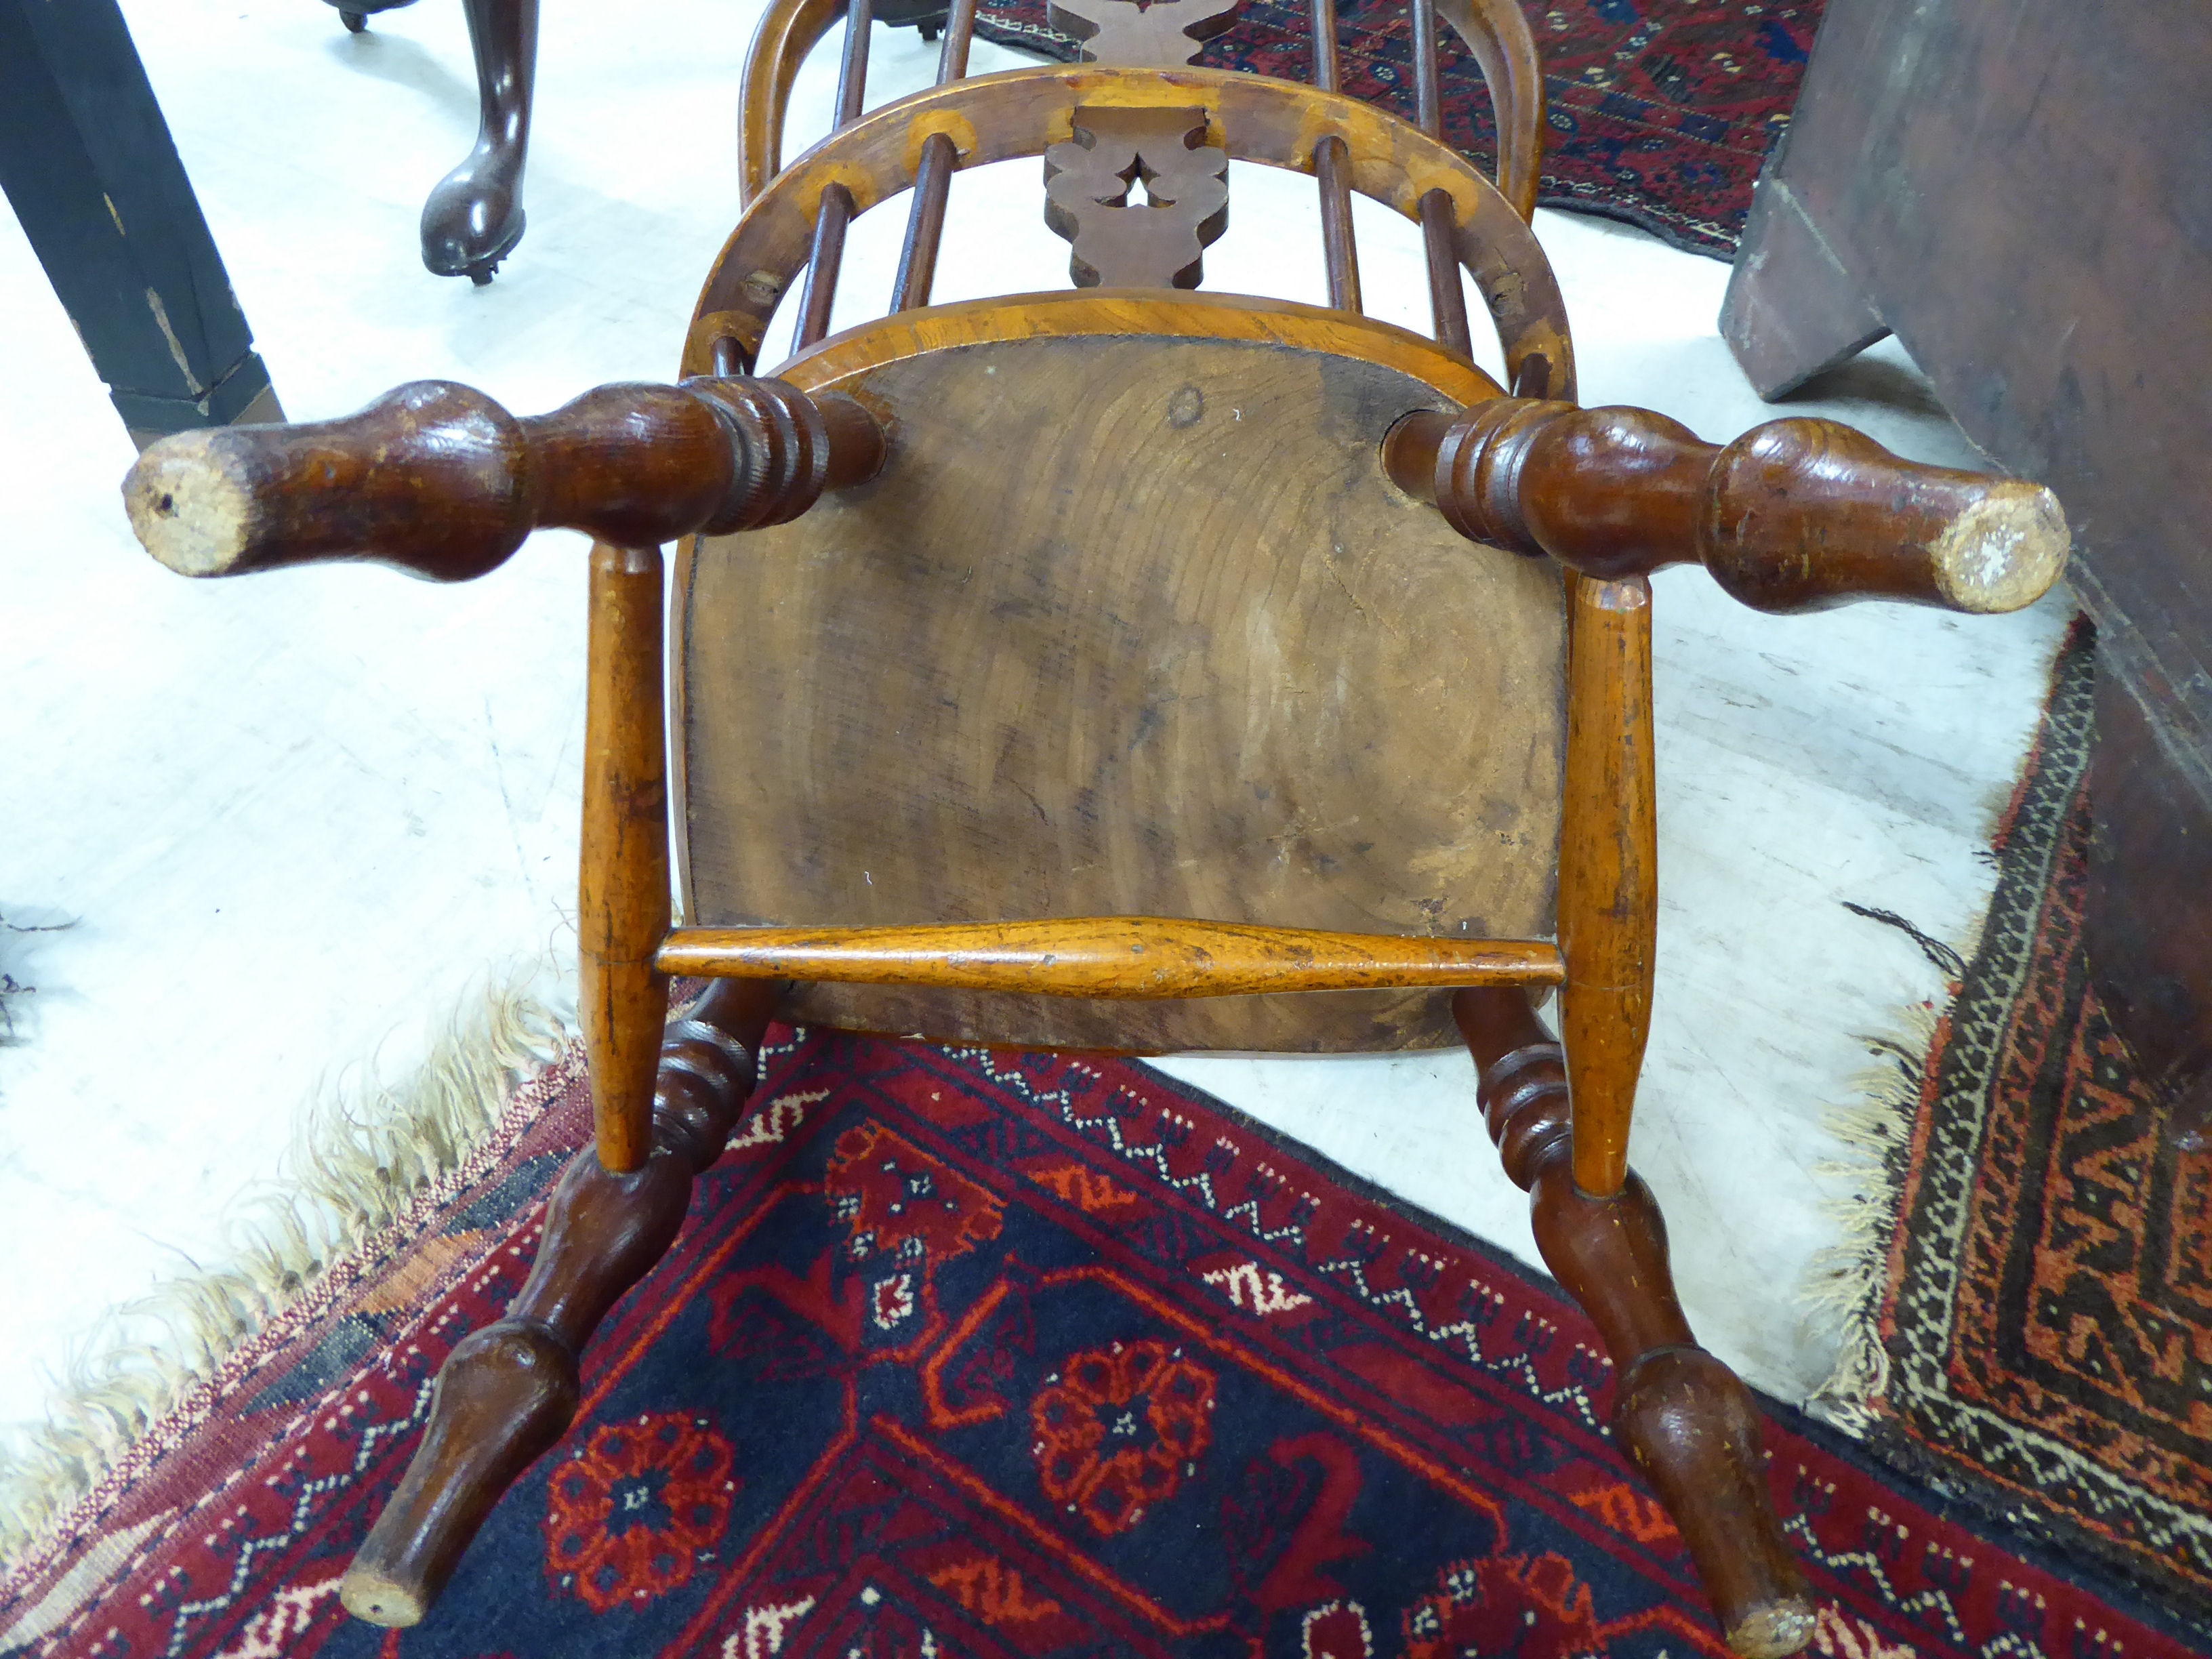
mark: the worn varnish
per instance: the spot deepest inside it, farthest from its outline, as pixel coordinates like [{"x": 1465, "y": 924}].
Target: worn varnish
[
  {"x": 1205, "y": 662},
  {"x": 1609, "y": 871},
  {"x": 1133, "y": 957},
  {"x": 1795, "y": 515},
  {"x": 623, "y": 897},
  {"x": 440, "y": 481}
]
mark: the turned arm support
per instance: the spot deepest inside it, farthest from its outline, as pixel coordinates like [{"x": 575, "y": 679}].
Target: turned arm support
[
  {"x": 439, "y": 481},
  {"x": 1795, "y": 515}
]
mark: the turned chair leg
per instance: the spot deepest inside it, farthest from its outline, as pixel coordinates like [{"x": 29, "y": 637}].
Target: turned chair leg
[
  {"x": 474, "y": 217},
  {"x": 509, "y": 1391},
  {"x": 1686, "y": 1420}
]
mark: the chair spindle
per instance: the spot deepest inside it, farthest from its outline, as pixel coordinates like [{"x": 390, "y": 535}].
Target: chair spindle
[{"x": 826, "y": 252}]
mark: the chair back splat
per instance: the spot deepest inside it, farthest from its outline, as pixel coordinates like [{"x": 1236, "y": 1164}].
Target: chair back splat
[{"x": 1077, "y": 669}]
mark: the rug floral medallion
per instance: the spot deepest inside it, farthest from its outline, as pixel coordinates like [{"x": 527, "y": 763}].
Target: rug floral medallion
[{"x": 965, "y": 1353}]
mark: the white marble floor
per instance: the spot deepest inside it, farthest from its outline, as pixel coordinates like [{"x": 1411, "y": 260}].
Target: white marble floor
[{"x": 294, "y": 823}]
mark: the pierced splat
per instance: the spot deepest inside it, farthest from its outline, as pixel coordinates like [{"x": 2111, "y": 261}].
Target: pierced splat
[
  {"x": 1140, "y": 193},
  {"x": 1130, "y": 35}
]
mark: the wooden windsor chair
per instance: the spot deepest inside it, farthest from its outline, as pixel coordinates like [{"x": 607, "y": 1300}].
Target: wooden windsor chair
[{"x": 1073, "y": 669}]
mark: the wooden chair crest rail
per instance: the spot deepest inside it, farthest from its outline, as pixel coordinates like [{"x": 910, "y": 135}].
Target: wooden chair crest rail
[{"x": 1296, "y": 655}]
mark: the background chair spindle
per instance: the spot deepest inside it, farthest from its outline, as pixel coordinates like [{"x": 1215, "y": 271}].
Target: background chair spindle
[
  {"x": 1333, "y": 168},
  {"x": 1333, "y": 171},
  {"x": 952, "y": 56},
  {"x": 1428, "y": 81},
  {"x": 827, "y": 250},
  {"x": 933, "y": 181},
  {"x": 1447, "y": 299},
  {"x": 852, "y": 67},
  {"x": 1326, "y": 74},
  {"x": 925, "y": 225}
]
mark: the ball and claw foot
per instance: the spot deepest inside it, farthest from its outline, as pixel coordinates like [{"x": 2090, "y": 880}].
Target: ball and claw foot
[{"x": 509, "y": 1392}]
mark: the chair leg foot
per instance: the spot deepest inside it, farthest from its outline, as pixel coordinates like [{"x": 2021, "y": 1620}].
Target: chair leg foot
[
  {"x": 1686, "y": 1420},
  {"x": 504, "y": 1396},
  {"x": 474, "y": 217},
  {"x": 1691, "y": 1430},
  {"x": 509, "y": 1391}
]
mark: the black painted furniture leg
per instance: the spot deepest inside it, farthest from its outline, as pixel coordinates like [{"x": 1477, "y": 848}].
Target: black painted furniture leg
[{"x": 86, "y": 162}]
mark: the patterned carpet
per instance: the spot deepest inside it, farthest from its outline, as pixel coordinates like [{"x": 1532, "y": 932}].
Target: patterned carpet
[
  {"x": 1661, "y": 112},
  {"x": 966, "y": 1354},
  {"x": 2042, "y": 1313}
]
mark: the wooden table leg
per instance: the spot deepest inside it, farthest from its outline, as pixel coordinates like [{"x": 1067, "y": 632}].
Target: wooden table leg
[{"x": 474, "y": 217}]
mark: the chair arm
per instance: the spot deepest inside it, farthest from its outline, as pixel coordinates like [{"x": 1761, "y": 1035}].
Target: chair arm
[
  {"x": 1795, "y": 515},
  {"x": 439, "y": 480}
]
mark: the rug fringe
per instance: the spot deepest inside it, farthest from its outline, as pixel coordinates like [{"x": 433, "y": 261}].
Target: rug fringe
[
  {"x": 357, "y": 1155},
  {"x": 1847, "y": 1280}
]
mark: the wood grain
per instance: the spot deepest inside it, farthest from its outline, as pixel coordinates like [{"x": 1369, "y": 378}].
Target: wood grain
[
  {"x": 1111, "y": 312},
  {"x": 1205, "y": 662},
  {"x": 623, "y": 897},
  {"x": 786, "y": 32},
  {"x": 1132, "y": 957},
  {"x": 1088, "y": 182},
  {"x": 1609, "y": 871},
  {"x": 1793, "y": 516},
  {"x": 439, "y": 480}
]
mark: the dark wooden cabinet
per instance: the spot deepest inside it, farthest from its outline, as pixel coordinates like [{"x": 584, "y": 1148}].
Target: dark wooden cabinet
[{"x": 2021, "y": 191}]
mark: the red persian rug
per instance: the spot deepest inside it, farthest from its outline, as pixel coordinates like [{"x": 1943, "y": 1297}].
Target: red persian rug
[
  {"x": 2037, "y": 1328},
  {"x": 969, "y": 1354},
  {"x": 1661, "y": 112}
]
